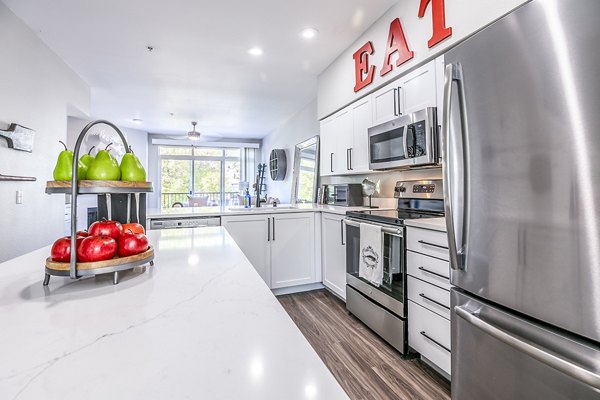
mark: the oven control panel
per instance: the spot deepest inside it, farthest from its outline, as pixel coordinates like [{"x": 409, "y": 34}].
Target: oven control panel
[
  {"x": 426, "y": 189},
  {"x": 430, "y": 188}
]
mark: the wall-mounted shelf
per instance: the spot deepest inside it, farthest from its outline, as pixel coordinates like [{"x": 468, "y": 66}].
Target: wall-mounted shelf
[{"x": 14, "y": 178}]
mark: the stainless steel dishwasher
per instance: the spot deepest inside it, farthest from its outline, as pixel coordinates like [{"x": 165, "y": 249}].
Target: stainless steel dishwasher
[{"x": 183, "y": 222}]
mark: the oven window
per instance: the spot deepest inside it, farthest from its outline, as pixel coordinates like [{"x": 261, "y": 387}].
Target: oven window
[
  {"x": 387, "y": 146},
  {"x": 393, "y": 262}
]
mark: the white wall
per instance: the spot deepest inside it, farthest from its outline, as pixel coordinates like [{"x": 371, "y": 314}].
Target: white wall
[
  {"x": 303, "y": 125},
  {"x": 137, "y": 139},
  {"x": 336, "y": 82},
  {"x": 36, "y": 90}
]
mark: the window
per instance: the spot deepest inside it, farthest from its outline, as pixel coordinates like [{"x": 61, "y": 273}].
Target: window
[{"x": 211, "y": 175}]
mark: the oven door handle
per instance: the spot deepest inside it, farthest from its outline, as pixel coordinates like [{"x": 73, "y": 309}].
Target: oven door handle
[{"x": 384, "y": 229}]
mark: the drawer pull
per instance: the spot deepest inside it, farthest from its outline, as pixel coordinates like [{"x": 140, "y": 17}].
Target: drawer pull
[
  {"x": 434, "y": 301},
  {"x": 433, "y": 273},
  {"x": 435, "y": 341},
  {"x": 439, "y": 246}
]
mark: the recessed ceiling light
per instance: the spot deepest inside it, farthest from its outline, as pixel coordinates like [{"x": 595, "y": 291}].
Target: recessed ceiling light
[
  {"x": 308, "y": 33},
  {"x": 137, "y": 121},
  {"x": 255, "y": 51}
]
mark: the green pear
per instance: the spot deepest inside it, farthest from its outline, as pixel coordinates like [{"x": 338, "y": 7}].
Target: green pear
[
  {"x": 131, "y": 168},
  {"x": 105, "y": 167},
  {"x": 87, "y": 159},
  {"x": 63, "y": 171}
]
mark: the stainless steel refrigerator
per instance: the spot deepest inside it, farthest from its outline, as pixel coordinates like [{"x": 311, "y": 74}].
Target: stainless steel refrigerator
[{"x": 521, "y": 141}]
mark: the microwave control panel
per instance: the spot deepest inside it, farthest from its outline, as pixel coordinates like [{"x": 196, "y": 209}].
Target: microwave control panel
[{"x": 420, "y": 138}]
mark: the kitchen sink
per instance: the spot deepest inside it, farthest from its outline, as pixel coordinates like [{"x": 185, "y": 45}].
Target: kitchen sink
[{"x": 265, "y": 207}]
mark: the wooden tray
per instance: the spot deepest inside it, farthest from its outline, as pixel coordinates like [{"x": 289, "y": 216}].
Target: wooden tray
[
  {"x": 114, "y": 262},
  {"x": 87, "y": 186}
]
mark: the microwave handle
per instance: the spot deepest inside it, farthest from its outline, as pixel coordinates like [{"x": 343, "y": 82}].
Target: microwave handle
[{"x": 405, "y": 143}]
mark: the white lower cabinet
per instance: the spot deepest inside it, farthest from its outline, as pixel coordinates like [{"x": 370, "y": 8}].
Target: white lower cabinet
[
  {"x": 293, "y": 250},
  {"x": 281, "y": 247},
  {"x": 429, "y": 286},
  {"x": 429, "y": 334},
  {"x": 251, "y": 233},
  {"x": 333, "y": 254}
]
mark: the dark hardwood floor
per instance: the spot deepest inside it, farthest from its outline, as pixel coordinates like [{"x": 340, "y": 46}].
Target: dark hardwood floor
[{"x": 364, "y": 365}]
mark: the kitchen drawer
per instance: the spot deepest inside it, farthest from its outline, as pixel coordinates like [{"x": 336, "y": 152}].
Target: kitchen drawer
[
  {"x": 429, "y": 269},
  {"x": 429, "y": 296},
  {"x": 423, "y": 322},
  {"x": 424, "y": 241}
]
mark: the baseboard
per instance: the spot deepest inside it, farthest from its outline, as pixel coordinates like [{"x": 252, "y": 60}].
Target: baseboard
[{"x": 297, "y": 289}]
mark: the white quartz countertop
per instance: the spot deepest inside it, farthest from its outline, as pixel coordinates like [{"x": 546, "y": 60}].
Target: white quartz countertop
[
  {"x": 199, "y": 324},
  {"x": 436, "y": 224},
  {"x": 185, "y": 212}
]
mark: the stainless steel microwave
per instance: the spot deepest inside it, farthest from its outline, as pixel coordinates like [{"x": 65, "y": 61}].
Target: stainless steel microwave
[{"x": 408, "y": 141}]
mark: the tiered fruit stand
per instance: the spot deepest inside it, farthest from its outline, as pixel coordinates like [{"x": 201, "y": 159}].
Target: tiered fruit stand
[{"x": 118, "y": 200}]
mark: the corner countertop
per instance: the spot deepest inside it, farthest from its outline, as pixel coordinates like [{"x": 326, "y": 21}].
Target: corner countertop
[
  {"x": 200, "y": 323},
  {"x": 186, "y": 212},
  {"x": 436, "y": 224}
]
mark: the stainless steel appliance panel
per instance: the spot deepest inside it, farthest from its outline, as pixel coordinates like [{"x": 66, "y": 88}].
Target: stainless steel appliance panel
[
  {"x": 507, "y": 365},
  {"x": 384, "y": 323},
  {"x": 190, "y": 222},
  {"x": 523, "y": 178}
]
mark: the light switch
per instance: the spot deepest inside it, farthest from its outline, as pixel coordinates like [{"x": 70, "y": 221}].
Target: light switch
[{"x": 19, "y": 199}]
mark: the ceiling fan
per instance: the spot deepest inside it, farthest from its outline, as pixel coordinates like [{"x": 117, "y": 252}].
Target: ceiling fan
[{"x": 193, "y": 135}]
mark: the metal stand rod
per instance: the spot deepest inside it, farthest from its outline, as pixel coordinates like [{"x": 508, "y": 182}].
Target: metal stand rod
[
  {"x": 116, "y": 278},
  {"x": 74, "y": 188},
  {"x": 46, "y": 279}
]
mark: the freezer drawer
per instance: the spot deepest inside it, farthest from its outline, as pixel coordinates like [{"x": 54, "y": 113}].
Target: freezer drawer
[
  {"x": 424, "y": 241},
  {"x": 429, "y": 296},
  {"x": 500, "y": 356},
  {"x": 429, "y": 334},
  {"x": 429, "y": 269}
]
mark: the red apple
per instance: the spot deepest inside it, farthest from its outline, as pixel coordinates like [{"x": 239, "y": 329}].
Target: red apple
[
  {"x": 132, "y": 243},
  {"x": 109, "y": 228},
  {"x": 61, "y": 249},
  {"x": 96, "y": 248}
]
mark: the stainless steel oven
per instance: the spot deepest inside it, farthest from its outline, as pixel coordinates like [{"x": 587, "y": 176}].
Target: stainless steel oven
[
  {"x": 383, "y": 308},
  {"x": 409, "y": 141}
]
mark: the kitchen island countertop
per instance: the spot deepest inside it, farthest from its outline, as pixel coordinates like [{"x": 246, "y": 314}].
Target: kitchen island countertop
[{"x": 199, "y": 324}]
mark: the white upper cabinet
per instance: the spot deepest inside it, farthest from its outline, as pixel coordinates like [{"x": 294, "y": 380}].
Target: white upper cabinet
[
  {"x": 417, "y": 89},
  {"x": 328, "y": 146},
  {"x": 362, "y": 120},
  {"x": 386, "y": 104},
  {"x": 344, "y": 137}
]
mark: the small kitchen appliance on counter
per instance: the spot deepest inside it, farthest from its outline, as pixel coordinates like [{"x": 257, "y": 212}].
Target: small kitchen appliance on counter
[
  {"x": 346, "y": 195},
  {"x": 384, "y": 308}
]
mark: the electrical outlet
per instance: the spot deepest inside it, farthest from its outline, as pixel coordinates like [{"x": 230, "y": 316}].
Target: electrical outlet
[{"x": 19, "y": 199}]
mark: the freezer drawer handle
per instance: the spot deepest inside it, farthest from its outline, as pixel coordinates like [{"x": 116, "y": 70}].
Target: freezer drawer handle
[
  {"x": 434, "y": 301},
  {"x": 435, "y": 341},
  {"x": 564, "y": 366},
  {"x": 433, "y": 273},
  {"x": 432, "y": 245}
]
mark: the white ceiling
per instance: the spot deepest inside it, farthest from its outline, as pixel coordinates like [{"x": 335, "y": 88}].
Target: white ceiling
[{"x": 199, "y": 69}]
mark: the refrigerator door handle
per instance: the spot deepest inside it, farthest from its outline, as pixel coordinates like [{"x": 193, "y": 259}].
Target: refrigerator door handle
[
  {"x": 455, "y": 179},
  {"x": 562, "y": 365}
]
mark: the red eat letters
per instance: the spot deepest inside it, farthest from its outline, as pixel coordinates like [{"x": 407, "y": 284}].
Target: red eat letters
[
  {"x": 364, "y": 73},
  {"x": 396, "y": 43},
  {"x": 438, "y": 14}
]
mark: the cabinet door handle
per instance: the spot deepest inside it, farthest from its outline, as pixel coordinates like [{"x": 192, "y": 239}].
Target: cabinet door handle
[
  {"x": 396, "y": 102},
  {"x": 273, "y": 228},
  {"x": 433, "y": 273},
  {"x": 439, "y": 246},
  {"x": 350, "y": 157},
  {"x": 399, "y": 99},
  {"x": 342, "y": 231},
  {"x": 268, "y": 229},
  {"x": 434, "y": 301},
  {"x": 435, "y": 341},
  {"x": 331, "y": 162}
]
